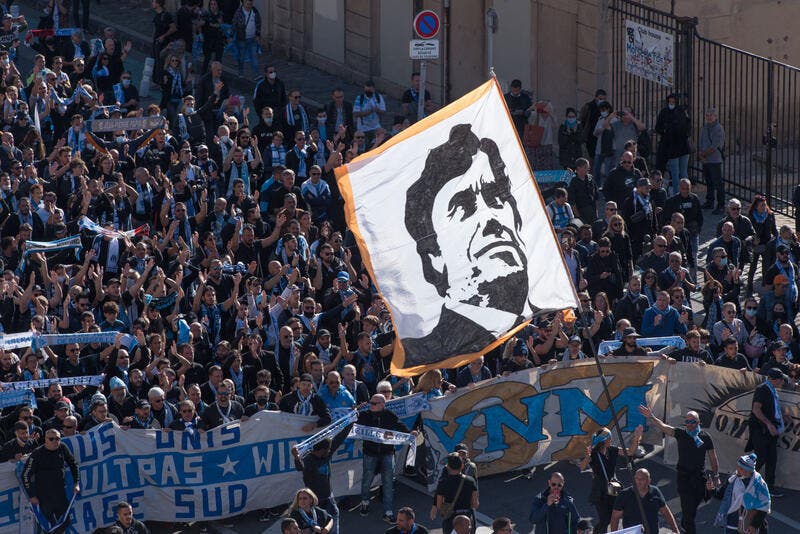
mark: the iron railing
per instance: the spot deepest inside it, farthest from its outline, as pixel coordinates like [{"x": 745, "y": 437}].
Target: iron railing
[{"x": 757, "y": 98}]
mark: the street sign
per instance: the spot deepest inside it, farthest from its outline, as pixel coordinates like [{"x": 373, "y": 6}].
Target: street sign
[
  {"x": 423, "y": 49},
  {"x": 128, "y": 123},
  {"x": 426, "y": 24}
]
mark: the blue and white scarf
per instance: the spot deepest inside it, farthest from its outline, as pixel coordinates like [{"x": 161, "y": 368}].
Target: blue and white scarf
[
  {"x": 777, "y": 414},
  {"x": 675, "y": 341},
  {"x": 17, "y": 398},
  {"x": 66, "y": 243},
  {"x": 383, "y": 436},
  {"x": 278, "y": 155},
  {"x": 45, "y": 383},
  {"x": 756, "y": 497},
  {"x": 303, "y": 116},
  {"x": 695, "y": 435},
  {"x": 305, "y": 446}
]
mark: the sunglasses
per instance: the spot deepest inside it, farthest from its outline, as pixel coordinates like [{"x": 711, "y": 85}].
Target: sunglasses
[
  {"x": 374, "y": 403},
  {"x": 65, "y": 427},
  {"x": 556, "y": 485},
  {"x": 690, "y": 421},
  {"x": 53, "y": 439}
]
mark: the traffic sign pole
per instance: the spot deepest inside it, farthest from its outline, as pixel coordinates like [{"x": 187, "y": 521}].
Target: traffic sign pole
[{"x": 423, "y": 69}]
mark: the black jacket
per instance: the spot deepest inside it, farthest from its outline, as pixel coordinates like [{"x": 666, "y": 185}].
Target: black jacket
[
  {"x": 289, "y": 404},
  {"x": 270, "y": 94},
  {"x": 382, "y": 419}
]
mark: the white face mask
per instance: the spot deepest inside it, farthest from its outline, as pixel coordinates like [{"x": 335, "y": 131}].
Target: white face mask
[
  {"x": 604, "y": 114},
  {"x": 272, "y": 75},
  {"x": 671, "y": 106},
  {"x": 224, "y": 139},
  {"x": 120, "y": 139}
]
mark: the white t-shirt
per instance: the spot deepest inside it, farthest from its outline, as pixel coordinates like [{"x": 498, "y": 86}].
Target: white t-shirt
[
  {"x": 371, "y": 122},
  {"x": 249, "y": 24}
]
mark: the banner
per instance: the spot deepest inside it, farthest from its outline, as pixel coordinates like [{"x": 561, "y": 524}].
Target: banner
[
  {"x": 723, "y": 398},
  {"x": 655, "y": 342},
  {"x": 183, "y": 477},
  {"x": 18, "y": 398},
  {"x": 45, "y": 383},
  {"x": 543, "y": 415},
  {"x": 548, "y": 414},
  {"x": 16, "y": 340},
  {"x": 128, "y": 124},
  {"x": 649, "y": 53},
  {"x": 453, "y": 230}
]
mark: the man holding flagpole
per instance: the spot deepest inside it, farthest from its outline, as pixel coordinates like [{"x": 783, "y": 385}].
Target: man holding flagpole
[{"x": 44, "y": 477}]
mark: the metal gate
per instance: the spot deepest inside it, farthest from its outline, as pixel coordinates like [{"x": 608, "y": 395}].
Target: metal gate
[{"x": 757, "y": 98}]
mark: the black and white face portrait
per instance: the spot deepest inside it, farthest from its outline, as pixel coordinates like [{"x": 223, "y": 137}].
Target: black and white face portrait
[
  {"x": 452, "y": 225},
  {"x": 484, "y": 263}
]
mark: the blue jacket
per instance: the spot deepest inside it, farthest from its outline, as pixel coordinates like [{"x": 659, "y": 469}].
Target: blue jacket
[
  {"x": 670, "y": 324},
  {"x": 561, "y": 517}
]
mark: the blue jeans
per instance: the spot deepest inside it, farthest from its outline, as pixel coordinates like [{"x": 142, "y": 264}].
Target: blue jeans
[
  {"x": 329, "y": 505},
  {"x": 370, "y": 464},
  {"x": 678, "y": 168},
  {"x": 247, "y": 50}
]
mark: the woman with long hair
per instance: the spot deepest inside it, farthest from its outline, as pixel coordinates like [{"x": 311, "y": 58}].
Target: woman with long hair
[
  {"x": 650, "y": 285},
  {"x": 765, "y": 231},
  {"x": 620, "y": 244},
  {"x": 602, "y": 456},
  {"x": 430, "y": 383},
  {"x": 306, "y": 511},
  {"x": 605, "y": 330}
]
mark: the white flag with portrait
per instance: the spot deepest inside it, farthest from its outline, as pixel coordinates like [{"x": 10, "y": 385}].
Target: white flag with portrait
[{"x": 454, "y": 232}]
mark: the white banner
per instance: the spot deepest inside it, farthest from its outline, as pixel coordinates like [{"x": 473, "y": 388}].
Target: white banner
[
  {"x": 649, "y": 53},
  {"x": 453, "y": 229},
  {"x": 182, "y": 477}
]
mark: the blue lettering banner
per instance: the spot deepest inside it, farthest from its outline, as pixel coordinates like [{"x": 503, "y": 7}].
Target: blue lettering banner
[{"x": 183, "y": 477}]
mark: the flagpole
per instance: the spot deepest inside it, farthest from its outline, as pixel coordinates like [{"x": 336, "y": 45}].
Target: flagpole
[{"x": 614, "y": 419}]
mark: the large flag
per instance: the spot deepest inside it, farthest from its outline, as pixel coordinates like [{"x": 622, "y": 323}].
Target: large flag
[{"x": 453, "y": 230}]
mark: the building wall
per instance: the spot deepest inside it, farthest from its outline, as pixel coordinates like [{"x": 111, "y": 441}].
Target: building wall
[{"x": 560, "y": 49}]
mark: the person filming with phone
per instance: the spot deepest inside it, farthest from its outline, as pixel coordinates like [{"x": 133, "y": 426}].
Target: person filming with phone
[{"x": 554, "y": 510}]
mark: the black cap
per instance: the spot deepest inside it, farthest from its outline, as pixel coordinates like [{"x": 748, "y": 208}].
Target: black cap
[
  {"x": 642, "y": 181},
  {"x": 324, "y": 332},
  {"x": 306, "y": 377},
  {"x": 782, "y": 248},
  {"x": 630, "y": 331},
  {"x": 460, "y": 447},
  {"x": 776, "y": 374},
  {"x": 62, "y": 405},
  {"x": 585, "y": 523},
  {"x": 142, "y": 403},
  {"x": 775, "y": 345}
]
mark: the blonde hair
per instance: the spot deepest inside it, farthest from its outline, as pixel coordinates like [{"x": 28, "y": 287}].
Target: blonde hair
[
  {"x": 428, "y": 381},
  {"x": 296, "y": 501}
]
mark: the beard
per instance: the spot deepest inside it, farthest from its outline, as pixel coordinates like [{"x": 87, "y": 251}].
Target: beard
[{"x": 508, "y": 292}]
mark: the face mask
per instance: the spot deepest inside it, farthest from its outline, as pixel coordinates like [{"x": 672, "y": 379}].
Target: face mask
[
  {"x": 126, "y": 82},
  {"x": 308, "y": 314},
  {"x": 267, "y": 121},
  {"x": 572, "y": 122},
  {"x": 780, "y": 317},
  {"x": 188, "y": 110},
  {"x": 598, "y": 101},
  {"x": 6, "y": 62},
  {"x": 604, "y": 114},
  {"x": 635, "y": 294},
  {"x": 369, "y": 94},
  {"x": 322, "y": 120},
  {"x": 224, "y": 139},
  {"x": 751, "y": 313},
  {"x": 273, "y": 75},
  {"x": 723, "y": 262},
  {"x": 120, "y": 139},
  {"x": 671, "y": 106},
  {"x": 61, "y": 279},
  {"x": 261, "y": 401},
  {"x": 122, "y": 367}
]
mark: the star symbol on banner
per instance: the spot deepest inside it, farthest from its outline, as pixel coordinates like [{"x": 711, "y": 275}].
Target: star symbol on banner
[{"x": 228, "y": 466}]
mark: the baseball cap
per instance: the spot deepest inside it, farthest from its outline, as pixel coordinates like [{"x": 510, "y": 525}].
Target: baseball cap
[
  {"x": 775, "y": 345},
  {"x": 62, "y": 405},
  {"x": 782, "y": 248},
  {"x": 576, "y": 339},
  {"x": 630, "y": 331},
  {"x": 112, "y": 281},
  {"x": 306, "y": 377},
  {"x": 322, "y": 333},
  {"x": 777, "y": 374},
  {"x": 142, "y": 403},
  {"x": 343, "y": 276},
  {"x": 642, "y": 181},
  {"x": 460, "y": 447}
]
